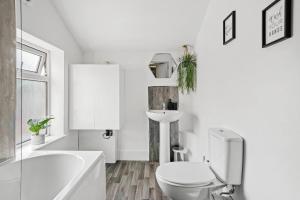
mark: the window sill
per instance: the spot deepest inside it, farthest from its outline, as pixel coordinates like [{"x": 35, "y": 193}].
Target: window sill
[{"x": 24, "y": 150}]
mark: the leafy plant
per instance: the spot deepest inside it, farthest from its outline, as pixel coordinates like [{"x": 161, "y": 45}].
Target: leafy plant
[
  {"x": 36, "y": 125},
  {"x": 187, "y": 70}
]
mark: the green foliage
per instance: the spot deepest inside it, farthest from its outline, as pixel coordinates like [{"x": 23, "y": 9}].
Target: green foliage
[
  {"x": 187, "y": 70},
  {"x": 36, "y": 125}
]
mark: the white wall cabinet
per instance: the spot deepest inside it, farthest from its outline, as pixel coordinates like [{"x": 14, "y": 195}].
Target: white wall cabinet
[{"x": 94, "y": 97}]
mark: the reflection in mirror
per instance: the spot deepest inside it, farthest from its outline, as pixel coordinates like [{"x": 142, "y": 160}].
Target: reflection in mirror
[{"x": 162, "y": 65}]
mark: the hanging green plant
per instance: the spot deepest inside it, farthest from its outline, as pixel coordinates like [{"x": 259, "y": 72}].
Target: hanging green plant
[{"x": 187, "y": 70}]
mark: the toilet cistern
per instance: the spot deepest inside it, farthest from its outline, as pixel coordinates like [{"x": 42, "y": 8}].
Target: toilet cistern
[{"x": 164, "y": 117}]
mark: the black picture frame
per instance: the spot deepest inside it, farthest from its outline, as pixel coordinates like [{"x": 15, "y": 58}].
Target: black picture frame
[
  {"x": 232, "y": 16},
  {"x": 287, "y": 23}
]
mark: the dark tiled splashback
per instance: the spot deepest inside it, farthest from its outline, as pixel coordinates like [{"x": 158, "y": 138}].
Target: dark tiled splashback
[{"x": 157, "y": 95}]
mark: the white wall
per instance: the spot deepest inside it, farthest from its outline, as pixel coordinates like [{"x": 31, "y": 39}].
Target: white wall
[
  {"x": 254, "y": 92},
  {"x": 41, "y": 20},
  {"x": 133, "y": 139},
  {"x": 92, "y": 140}
]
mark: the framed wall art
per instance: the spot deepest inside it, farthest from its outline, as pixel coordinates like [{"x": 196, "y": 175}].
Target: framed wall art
[
  {"x": 229, "y": 29},
  {"x": 276, "y": 22}
]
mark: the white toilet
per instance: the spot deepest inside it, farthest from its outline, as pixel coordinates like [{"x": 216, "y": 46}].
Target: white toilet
[{"x": 191, "y": 180}]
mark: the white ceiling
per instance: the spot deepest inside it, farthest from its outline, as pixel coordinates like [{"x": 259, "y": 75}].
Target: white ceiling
[{"x": 138, "y": 25}]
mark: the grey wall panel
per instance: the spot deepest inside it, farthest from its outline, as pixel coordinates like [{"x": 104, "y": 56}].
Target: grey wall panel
[{"x": 7, "y": 78}]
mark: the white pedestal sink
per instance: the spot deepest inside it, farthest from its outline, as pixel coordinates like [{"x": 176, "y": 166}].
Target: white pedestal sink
[{"x": 164, "y": 117}]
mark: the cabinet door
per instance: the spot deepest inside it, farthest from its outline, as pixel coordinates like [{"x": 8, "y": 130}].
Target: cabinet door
[
  {"x": 81, "y": 97},
  {"x": 107, "y": 97}
]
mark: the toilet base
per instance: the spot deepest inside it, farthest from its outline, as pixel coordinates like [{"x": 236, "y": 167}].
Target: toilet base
[{"x": 191, "y": 193}]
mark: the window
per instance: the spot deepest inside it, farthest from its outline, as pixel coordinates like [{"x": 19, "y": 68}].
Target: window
[{"x": 32, "y": 88}]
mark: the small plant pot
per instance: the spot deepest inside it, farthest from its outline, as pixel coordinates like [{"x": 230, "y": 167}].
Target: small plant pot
[{"x": 37, "y": 139}]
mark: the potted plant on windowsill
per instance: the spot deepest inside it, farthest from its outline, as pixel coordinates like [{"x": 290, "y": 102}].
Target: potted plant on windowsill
[{"x": 35, "y": 126}]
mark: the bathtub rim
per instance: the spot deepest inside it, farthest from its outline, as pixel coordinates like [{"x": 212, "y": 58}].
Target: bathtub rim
[{"x": 19, "y": 162}]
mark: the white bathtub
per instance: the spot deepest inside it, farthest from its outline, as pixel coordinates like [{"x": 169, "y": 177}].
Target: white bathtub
[{"x": 55, "y": 175}]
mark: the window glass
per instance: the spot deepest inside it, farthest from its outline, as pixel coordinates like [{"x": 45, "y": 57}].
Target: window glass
[
  {"x": 34, "y": 106},
  {"x": 30, "y": 61}
]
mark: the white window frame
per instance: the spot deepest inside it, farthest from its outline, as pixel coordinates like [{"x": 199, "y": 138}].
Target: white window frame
[{"x": 35, "y": 75}]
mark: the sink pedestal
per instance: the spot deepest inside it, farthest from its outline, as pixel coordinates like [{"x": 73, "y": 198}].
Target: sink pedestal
[
  {"x": 164, "y": 142},
  {"x": 164, "y": 117}
]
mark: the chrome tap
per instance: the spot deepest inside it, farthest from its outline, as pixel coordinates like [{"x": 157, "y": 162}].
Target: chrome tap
[{"x": 164, "y": 106}]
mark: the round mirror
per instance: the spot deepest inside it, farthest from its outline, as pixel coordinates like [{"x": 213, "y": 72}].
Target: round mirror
[{"x": 162, "y": 65}]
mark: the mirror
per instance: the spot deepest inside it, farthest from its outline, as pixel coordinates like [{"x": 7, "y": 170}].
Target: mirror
[{"x": 162, "y": 65}]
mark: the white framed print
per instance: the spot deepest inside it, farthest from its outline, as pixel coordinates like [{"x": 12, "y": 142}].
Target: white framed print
[{"x": 277, "y": 22}]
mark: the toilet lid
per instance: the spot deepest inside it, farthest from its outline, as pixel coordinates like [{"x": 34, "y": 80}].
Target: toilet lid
[{"x": 186, "y": 173}]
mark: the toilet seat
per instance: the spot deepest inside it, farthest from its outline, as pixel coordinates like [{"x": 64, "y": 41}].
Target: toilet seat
[{"x": 186, "y": 174}]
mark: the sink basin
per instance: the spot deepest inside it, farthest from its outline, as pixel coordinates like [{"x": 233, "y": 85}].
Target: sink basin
[{"x": 164, "y": 115}]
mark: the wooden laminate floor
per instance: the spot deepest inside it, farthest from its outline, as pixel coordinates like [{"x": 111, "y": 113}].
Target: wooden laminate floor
[{"x": 132, "y": 180}]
